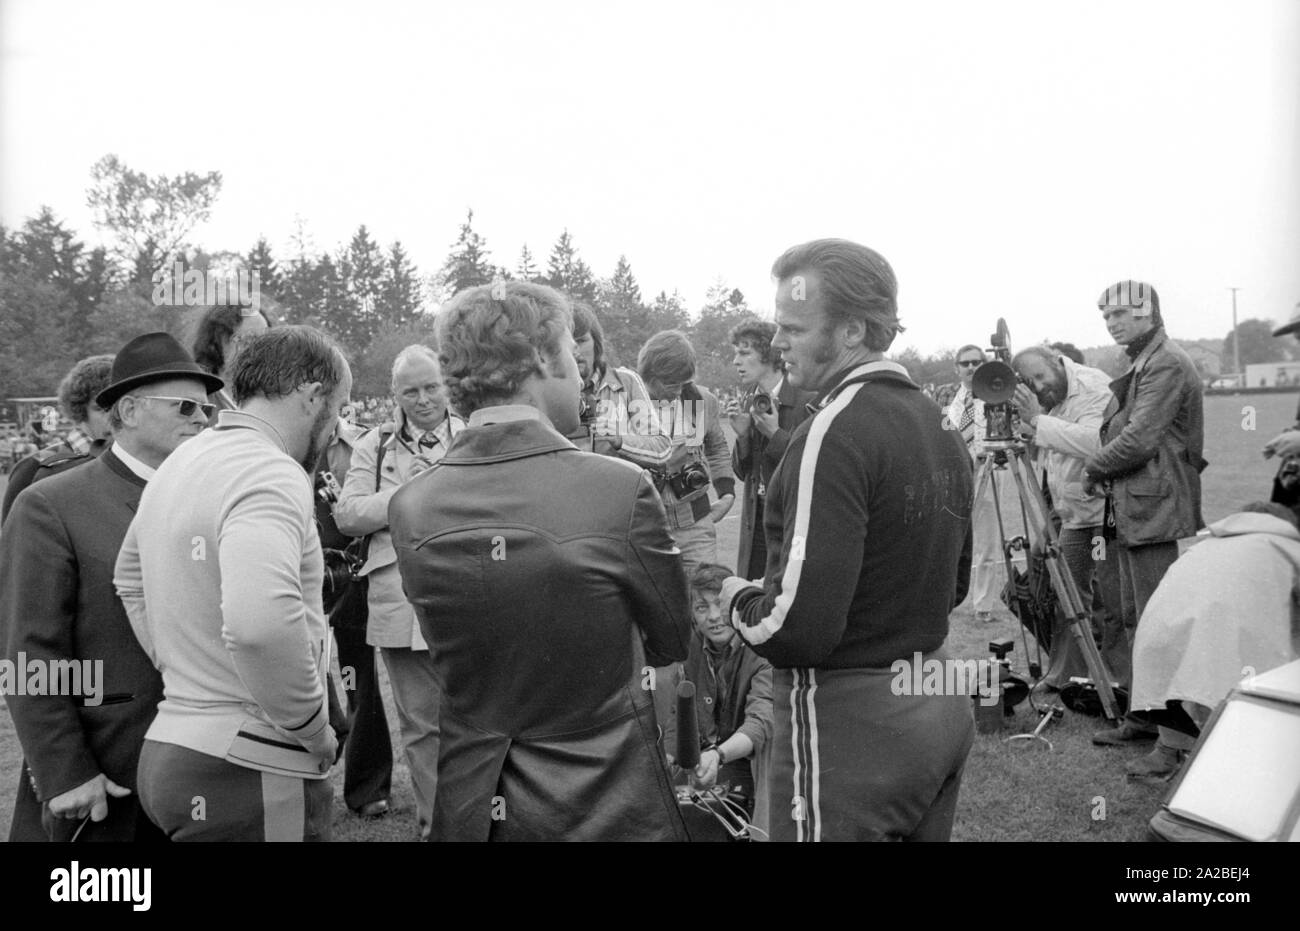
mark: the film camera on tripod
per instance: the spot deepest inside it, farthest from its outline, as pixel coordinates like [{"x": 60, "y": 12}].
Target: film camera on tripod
[{"x": 994, "y": 383}]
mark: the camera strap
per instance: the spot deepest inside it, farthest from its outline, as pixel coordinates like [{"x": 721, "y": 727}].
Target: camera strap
[{"x": 363, "y": 543}]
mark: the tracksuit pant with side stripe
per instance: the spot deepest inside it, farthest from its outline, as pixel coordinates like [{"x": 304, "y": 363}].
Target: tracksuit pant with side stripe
[
  {"x": 852, "y": 761},
  {"x": 191, "y": 796}
]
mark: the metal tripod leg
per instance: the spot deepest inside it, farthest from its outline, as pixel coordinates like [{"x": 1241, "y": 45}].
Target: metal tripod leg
[
  {"x": 982, "y": 480},
  {"x": 1063, "y": 583}
]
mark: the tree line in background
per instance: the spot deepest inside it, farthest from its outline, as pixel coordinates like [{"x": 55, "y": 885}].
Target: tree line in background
[{"x": 61, "y": 301}]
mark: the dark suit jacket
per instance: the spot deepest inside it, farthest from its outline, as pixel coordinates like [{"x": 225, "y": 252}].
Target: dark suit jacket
[
  {"x": 755, "y": 459},
  {"x": 536, "y": 571},
  {"x": 57, "y": 602}
]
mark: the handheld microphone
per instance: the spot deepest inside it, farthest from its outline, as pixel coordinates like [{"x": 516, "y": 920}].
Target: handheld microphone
[{"x": 688, "y": 728}]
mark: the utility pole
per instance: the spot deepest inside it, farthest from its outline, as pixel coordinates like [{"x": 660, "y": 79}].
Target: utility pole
[{"x": 1236, "y": 338}]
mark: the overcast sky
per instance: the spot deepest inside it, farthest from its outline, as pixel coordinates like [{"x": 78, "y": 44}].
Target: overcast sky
[{"x": 1009, "y": 158}]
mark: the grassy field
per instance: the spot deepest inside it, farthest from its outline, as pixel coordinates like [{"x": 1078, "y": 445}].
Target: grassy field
[{"x": 1017, "y": 791}]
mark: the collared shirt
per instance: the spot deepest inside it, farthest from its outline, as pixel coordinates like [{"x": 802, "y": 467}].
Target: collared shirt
[
  {"x": 240, "y": 418},
  {"x": 625, "y": 409},
  {"x": 1066, "y": 436},
  {"x": 439, "y": 435},
  {"x": 503, "y": 413},
  {"x": 1134, "y": 349},
  {"x": 965, "y": 414},
  {"x": 132, "y": 463}
]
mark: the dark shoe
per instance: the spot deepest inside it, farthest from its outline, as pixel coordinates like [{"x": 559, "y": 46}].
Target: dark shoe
[
  {"x": 373, "y": 809},
  {"x": 1160, "y": 765},
  {"x": 1127, "y": 734}
]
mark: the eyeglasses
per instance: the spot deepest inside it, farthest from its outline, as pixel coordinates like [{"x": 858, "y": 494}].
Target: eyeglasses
[
  {"x": 186, "y": 406},
  {"x": 970, "y": 363}
]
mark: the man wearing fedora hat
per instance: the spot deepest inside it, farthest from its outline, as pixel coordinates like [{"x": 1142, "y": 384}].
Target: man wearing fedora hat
[{"x": 58, "y": 608}]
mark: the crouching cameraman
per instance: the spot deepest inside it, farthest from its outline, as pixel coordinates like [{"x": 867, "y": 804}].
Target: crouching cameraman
[
  {"x": 1060, "y": 413},
  {"x": 690, "y": 416},
  {"x": 733, "y": 699}
]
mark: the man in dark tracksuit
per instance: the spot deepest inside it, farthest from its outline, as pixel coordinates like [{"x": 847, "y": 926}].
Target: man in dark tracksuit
[{"x": 870, "y": 513}]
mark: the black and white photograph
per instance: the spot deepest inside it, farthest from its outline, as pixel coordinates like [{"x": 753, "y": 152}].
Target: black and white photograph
[{"x": 704, "y": 422}]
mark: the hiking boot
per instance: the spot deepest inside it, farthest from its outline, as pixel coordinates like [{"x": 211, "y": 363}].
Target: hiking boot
[
  {"x": 1160, "y": 765},
  {"x": 1127, "y": 734}
]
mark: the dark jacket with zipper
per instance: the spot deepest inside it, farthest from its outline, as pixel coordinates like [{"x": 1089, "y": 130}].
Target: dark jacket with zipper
[
  {"x": 733, "y": 692},
  {"x": 545, "y": 582},
  {"x": 57, "y": 602},
  {"x": 869, "y": 570}
]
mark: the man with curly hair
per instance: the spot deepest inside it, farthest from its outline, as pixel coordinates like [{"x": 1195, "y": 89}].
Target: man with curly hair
[
  {"x": 545, "y": 580},
  {"x": 85, "y": 441}
]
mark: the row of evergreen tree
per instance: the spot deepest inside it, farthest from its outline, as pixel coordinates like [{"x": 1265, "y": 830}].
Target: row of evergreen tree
[{"x": 61, "y": 301}]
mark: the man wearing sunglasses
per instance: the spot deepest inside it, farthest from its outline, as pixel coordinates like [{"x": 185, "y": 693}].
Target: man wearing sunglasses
[
  {"x": 965, "y": 414},
  {"x": 57, "y": 606}
]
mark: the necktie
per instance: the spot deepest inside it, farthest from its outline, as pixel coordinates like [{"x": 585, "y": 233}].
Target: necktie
[
  {"x": 967, "y": 424},
  {"x": 428, "y": 440}
]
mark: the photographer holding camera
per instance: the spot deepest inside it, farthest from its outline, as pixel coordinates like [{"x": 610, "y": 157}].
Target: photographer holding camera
[
  {"x": 383, "y": 461},
  {"x": 1061, "y": 404},
  {"x": 763, "y": 418},
  {"x": 699, "y": 449},
  {"x": 617, "y": 415}
]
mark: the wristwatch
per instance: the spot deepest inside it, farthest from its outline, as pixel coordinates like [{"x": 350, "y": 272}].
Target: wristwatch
[{"x": 722, "y": 757}]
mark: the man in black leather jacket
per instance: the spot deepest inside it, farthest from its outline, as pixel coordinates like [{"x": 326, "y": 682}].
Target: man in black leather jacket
[{"x": 546, "y": 584}]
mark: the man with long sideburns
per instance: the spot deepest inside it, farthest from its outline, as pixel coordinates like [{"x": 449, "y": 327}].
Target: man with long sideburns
[{"x": 869, "y": 511}]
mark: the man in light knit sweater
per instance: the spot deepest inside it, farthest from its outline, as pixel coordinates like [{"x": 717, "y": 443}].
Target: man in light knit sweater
[{"x": 221, "y": 576}]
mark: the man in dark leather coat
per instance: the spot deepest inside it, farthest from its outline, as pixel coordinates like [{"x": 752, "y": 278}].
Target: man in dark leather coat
[
  {"x": 547, "y": 585},
  {"x": 1152, "y": 436}
]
